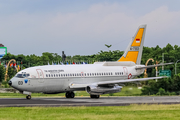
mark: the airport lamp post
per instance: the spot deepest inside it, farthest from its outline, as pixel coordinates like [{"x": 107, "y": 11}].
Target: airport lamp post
[
  {"x": 162, "y": 60},
  {"x": 175, "y": 65}
]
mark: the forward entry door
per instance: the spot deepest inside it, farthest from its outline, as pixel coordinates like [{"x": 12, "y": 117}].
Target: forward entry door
[{"x": 40, "y": 75}]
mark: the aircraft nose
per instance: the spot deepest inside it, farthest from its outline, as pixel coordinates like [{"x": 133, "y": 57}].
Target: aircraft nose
[{"x": 10, "y": 83}]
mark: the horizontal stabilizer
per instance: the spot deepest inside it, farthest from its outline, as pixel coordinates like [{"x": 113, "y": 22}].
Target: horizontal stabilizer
[{"x": 151, "y": 66}]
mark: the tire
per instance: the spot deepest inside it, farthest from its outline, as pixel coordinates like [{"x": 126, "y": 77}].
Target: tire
[
  {"x": 71, "y": 95},
  {"x": 94, "y": 96},
  {"x": 28, "y": 97},
  {"x": 67, "y": 94},
  {"x": 97, "y": 96}
]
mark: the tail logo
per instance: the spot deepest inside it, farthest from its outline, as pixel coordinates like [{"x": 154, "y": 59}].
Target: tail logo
[{"x": 137, "y": 40}]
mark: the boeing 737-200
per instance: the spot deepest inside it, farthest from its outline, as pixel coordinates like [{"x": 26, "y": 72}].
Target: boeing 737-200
[{"x": 97, "y": 79}]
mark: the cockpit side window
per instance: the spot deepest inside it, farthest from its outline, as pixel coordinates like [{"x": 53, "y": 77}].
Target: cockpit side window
[
  {"x": 19, "y": 76},
  {"x": 22, "y": 75}
]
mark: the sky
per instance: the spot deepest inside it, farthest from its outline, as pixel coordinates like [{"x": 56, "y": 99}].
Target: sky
[{"x": 81, "y": 27}]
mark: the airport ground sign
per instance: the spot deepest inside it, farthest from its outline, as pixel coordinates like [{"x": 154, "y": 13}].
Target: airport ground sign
[{"x": 165, "y": 73}]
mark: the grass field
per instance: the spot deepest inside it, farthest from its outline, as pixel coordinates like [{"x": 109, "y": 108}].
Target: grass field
[
  {"x": 132, "y": 112},
  {"x": 126, "y": 91}
]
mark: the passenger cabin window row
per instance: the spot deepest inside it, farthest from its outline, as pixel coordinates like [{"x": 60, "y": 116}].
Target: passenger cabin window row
[
  {"x": 118, "y": 73},
  {"x": 84, "y": 74}
]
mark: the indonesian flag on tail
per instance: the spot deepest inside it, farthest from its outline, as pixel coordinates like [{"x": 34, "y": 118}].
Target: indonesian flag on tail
[{"x": 137, "y": 40}]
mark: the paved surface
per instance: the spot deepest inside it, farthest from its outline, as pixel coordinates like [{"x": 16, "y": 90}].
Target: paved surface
[{"x": 86, "y": 101}]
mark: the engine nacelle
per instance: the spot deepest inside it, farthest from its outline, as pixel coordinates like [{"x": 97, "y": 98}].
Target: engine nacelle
[{"x": 97, "y": 90}]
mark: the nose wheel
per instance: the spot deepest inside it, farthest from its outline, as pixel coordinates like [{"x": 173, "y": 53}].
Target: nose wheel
[{"x": 28, "y": 97}]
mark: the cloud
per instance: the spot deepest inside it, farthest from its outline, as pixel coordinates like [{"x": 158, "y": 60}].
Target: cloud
[{"x": 77, "y": 32}]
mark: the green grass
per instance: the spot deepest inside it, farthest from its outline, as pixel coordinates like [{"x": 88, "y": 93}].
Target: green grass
[
  {"x": 132, "y": 112},
  {"x": 126, "y": 91}
]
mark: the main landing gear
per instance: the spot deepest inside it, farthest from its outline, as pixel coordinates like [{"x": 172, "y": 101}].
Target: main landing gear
[
  {"x": 28, "y": 97},
  {"x": 94, "y": 96},
  {"x": 70, "y": 94}
]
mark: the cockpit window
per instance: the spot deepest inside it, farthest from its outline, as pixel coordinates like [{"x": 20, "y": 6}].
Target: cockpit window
[
  {"x": 19, "y": 76},
  {"x": 22, "y": 75}
]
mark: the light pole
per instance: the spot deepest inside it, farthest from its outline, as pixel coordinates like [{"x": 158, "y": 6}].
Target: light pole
[
  {"x": 162, "y": 60},
  {"x": 175, "y": 65}
]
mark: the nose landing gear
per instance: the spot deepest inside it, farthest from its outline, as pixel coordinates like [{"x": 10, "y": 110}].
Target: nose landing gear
[{"x": 28, "y": 97}]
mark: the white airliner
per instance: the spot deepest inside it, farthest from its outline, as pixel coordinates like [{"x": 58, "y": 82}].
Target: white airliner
[{"x": 97, "y": 79}]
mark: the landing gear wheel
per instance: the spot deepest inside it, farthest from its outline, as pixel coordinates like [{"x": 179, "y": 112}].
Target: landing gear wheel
[
  {"x": 28, "y": 97},
  {"x": 67, "y": 94},
  {"x": 94, "y": 96},
  {"x": 70, "y": 94}
]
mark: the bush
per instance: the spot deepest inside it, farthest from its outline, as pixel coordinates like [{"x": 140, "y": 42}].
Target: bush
[
  {"x": 161, "y": 92},
  {"x": 164, "y": 86}
]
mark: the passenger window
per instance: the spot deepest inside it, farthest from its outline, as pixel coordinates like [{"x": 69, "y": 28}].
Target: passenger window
[
  {"x": 92, "y": 74},
  {"x": 46, "y": 75},
  {"x": 95, "y": 74},
  {"x": 49, "y": 75},
  {"x": 87, "y": 74},
  {"x": 56, "y": 75}
]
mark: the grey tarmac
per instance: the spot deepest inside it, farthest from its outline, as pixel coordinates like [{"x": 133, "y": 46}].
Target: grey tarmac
[{"x": 86, "y": 101}]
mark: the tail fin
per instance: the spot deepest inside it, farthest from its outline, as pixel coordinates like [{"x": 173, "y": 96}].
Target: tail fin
[{"x": 134, "y": 50}]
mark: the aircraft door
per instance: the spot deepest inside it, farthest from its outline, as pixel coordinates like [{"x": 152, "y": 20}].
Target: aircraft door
[
  {"x": 40, "y": 75},
  {"x": 125, "y": 71}
]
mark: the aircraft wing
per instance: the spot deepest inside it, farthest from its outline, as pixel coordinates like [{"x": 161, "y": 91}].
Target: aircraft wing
[{"x": 79, "y": 85}]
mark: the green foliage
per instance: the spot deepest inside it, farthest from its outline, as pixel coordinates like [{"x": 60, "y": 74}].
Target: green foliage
[
  {"x": 164, "y": 86},
  {"x": 161, "y": 92},
  {"x": 2, "y": 73}
]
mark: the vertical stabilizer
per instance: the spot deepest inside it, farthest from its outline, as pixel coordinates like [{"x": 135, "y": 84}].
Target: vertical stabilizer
[{"x": 134, "y": 50}]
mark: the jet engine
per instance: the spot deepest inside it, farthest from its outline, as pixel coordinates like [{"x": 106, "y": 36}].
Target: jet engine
[{"x": 99, "y": 90}]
